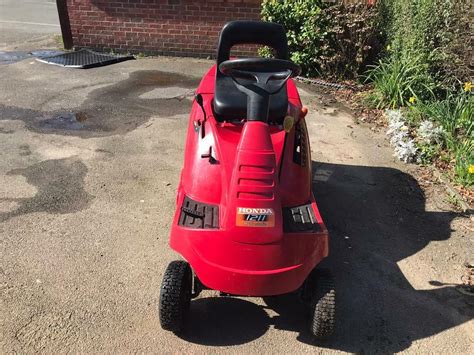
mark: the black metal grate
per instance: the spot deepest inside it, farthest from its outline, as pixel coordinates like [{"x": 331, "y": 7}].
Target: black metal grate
[{"x": 84, "y": 59}]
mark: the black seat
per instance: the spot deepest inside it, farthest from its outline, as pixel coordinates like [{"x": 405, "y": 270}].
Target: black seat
[{"x": 229, "y": 103}]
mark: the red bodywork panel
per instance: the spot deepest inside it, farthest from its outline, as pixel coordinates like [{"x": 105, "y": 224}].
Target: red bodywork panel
[{"x": 246, "y": 260}]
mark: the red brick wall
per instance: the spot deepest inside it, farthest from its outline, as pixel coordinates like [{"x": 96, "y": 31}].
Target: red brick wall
[{"x": 165, "y": 27}]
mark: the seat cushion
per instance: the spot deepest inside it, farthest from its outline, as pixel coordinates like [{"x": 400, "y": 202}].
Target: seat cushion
[{"x": 231, "y": 104}]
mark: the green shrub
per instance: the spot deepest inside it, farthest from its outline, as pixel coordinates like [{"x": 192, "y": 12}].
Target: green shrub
[
  {"x": 464, "y": 159},
  {"x": 426, "y": 64},
  {"x": 304, "y": 28},
  {"x": 433, "y": 33},
  {"x": 330, "y": 41},
  {"x": 428, "y": 153},
  {"x": 396, "y": 81},
  {"x": 455, "y": 116},
  {"x": 352, "y": 41},
  {"x": 437, "y": 31}
]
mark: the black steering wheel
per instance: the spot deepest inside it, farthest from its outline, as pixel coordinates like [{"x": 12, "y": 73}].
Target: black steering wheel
[
  {"x": 259, "y": 78},
  {"x": 268, "y": 74}
]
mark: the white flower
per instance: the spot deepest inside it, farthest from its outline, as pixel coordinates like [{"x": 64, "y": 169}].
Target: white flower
[
  {"x": 428, "y": 132},
  {"x": 394, "y": 115},
  {"x": 395, "y": 121},
  {"x": 399, "y": 136},
  {"x": 406, "y": 151},
  {"x": 404, "y": 147},
  {"x": 394, "y": 127}
]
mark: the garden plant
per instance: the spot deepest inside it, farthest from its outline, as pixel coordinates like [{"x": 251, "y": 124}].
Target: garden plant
[{"x": 414, "y": 55}]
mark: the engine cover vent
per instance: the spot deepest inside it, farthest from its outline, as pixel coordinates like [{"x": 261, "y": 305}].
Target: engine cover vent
[
  {"x": 198, "y": 215},
  {"x": 300, "y": 219}
]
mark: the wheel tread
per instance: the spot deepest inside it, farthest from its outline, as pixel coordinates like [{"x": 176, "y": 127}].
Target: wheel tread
[
  {"x": 323, "y": 305},
  {"x": 175, "y": 295}
]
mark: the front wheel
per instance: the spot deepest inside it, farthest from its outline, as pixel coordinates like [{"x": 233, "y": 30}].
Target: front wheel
[
  {"x": 175, "y": 296},
  {"x": 323, "y": 305}
]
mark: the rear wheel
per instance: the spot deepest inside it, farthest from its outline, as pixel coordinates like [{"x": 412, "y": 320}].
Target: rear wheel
[
  {"x": 175, "y": 296},
  {"x": 323, "y": 304}
]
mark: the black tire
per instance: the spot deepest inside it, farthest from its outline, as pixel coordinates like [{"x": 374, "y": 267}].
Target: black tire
[
  {"x": 175, "y": 296},
  {"x": 323, "y": 305}
]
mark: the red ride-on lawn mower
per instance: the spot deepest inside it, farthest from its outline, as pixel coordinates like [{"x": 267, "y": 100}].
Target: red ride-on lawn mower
[{"x": 247, "y": 223}]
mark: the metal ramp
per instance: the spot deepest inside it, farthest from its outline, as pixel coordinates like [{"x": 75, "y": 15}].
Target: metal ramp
[{"x": 84, "y": 59}]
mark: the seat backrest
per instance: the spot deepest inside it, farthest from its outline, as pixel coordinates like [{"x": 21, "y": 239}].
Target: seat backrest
[
  {"x": 252, "y": 32},
  {"x": 229, "y": 103}
]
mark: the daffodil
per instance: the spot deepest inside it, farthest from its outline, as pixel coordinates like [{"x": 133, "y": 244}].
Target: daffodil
[
  {"x": 468, "y": 86},
  {"x": 471, "y": 169},
  {"x": 412, "y": 99}
]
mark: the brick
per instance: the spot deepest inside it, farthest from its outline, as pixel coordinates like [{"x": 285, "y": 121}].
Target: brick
[{"x": 165, "y": 27}]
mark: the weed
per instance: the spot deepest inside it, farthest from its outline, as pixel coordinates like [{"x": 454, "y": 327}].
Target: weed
[
  {"x": 453, "y": 200},
  {"x": 58, "y": 39},
  {"x": 464, "y": 159}
]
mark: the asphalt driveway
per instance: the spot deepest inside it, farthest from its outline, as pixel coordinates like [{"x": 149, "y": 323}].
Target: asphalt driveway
[
  {"x": 89, "y": 165},
  {"x": 28, "y": 23}
]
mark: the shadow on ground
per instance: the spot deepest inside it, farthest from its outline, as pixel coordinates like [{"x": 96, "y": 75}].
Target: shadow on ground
[{"x": 376, "y": 217}]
